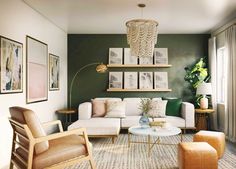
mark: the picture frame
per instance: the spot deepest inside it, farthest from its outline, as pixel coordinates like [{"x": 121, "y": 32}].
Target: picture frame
[
  {"x": 145, "y": 80},
  {"x": 161, "y": 56},
  {"x": 115, "y": 56},
  {"x": 54, "y": 72},
  {"x": 11, "y": 58},
  {"x": 130, "y": 80},
  {"x": 37, "y": 70},
  {"x": 161, "y": 80},
  {"x": 128, "y": 58},
  {"x": 146, "y": 60},
  {"x": 115, "y": 80}
]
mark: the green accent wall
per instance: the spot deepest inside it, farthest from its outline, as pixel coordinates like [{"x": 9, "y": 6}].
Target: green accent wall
[{"x": 183, "y": 50}]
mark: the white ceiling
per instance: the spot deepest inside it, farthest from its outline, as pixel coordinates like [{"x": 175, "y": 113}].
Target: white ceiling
[{"x": 109, "y": 16}]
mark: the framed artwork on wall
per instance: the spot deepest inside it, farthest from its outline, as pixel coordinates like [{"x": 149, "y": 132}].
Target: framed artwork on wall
[
  {"x": 115, "y": 80},
  {"x": 37, "y": 70},
  {"x": 161, "y": 80},
  {"x": 128, "y": 58},
  {"x": 115, "y": 56},
  {"x": 145, "y": 80},
  {"x": 54, "y": 72},
  {"x": 161, "y": 56},
  {"x": 146, "y": 60},
  {"x": 11, "y": 58},
  {"x": 130, "y": 80}
]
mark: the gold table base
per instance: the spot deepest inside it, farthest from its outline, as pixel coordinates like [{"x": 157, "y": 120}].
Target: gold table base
[{"x": 150, "y": 144}]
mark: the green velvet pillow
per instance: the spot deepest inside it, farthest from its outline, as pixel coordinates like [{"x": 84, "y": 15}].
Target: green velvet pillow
[{"x": 173, "y": 106}]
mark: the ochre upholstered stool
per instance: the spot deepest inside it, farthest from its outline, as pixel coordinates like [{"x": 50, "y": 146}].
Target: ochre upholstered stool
[
  {"x": 215, "y": 139},
  {"x": 197, "y": 155}
]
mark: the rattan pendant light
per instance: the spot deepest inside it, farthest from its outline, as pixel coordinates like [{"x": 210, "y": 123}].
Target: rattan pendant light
[{"x": 142, "y": 36}]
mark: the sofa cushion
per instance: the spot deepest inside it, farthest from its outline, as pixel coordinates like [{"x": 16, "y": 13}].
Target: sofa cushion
[
  {"x": 115, "y": 109},
  {"x": 98, "y": 126},
  {"x": 132, "y": 106},
  {"x": 156, "y": 98},
  {"x": 108, "y": 98},
  {"x": 130, "y": 121},
  {"x": 173, "y": 107},
  {"x": 158, "y": 108},
  {"x": 99, "y": 108}
]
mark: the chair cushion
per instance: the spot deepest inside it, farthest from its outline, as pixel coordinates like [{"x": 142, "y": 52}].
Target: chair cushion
[
  {"x": 61, "y": 149},
  {"x": 173, "y": 107},
  {"x": 28, "y": 117},
  {"x": 98, "y": 126}
]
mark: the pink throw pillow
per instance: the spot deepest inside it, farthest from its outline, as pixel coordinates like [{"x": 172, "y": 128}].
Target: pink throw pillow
[{"x": 99, "y": 108}]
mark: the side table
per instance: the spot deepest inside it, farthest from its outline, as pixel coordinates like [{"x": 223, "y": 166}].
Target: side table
[
  {"x": 202, "y": 118},
  {"x": 68, "y": 113}
]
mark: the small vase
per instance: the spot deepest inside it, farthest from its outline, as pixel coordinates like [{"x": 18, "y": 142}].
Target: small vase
[{"x": 144, "y": 121}]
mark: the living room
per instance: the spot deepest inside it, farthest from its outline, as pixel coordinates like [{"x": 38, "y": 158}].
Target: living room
[{"x": 83, "y": 37}]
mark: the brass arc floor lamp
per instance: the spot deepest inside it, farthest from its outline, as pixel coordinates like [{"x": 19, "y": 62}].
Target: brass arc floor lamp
[{"x": 101, "y": 68}]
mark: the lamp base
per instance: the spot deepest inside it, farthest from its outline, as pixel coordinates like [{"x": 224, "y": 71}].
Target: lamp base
[{"x": 204, "y": 103}]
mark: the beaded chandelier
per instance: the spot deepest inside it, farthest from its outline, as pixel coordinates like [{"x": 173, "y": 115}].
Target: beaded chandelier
[{"x": 142, "y": 36}]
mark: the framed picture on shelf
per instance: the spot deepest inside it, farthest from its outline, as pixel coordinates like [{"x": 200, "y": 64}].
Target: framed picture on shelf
[
  {"x": 37, "y": 70},
  {"x": 115, "y": 80},
  {"x": 11, "y": 58},
  {"x": 115, "y": 56},
  {"x": 128, "y": 58},
  {"x": 161, "y": 56},
  {"x": 146, "y": 60},
  {"x": 161, "y": 80},
  {"x": 54, "y": 72},
  {"x": 130, "y": 80},
  {"x": 145, "y": 80}
]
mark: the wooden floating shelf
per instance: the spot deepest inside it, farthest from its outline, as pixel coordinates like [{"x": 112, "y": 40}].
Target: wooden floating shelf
[
  {"x": 139, "y": 66},
  {"x": 139, "y": 90}
]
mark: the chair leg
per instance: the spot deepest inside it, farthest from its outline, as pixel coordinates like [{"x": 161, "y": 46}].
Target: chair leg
[
  {"x": 11, "y": 165},
  {"x": 12, "y": 150},
  {"x": 92, "y": 163}
]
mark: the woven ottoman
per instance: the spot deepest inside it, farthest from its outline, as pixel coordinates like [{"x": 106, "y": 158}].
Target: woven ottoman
[
  {"x": 197, "y": 155},
  {"x": 215, "y": 139}
]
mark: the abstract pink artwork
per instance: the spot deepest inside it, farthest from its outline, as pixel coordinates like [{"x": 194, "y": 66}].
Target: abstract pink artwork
[{"x": 37, "y": 70}]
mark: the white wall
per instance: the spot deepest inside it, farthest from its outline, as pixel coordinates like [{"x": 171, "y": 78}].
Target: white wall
[{"x": 16, "y": 21}]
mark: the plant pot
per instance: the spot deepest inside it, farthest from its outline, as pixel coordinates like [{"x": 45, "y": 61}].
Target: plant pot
[{"x": 144, "y": 121}]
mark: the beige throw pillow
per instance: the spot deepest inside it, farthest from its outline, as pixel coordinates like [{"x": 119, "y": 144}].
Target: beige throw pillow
[
  {"x": 115, "y": 109},
  {"x": 158, "y": 108},
  {"x": 99, "y": 108}
]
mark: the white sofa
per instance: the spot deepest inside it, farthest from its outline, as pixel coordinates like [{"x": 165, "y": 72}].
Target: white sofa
[{"x": 110, "y": 127}]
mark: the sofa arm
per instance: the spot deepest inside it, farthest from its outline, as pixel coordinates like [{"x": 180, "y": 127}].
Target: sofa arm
[
  {"x": 85, "y": 111},
  {"x": 188, "y": 113}
]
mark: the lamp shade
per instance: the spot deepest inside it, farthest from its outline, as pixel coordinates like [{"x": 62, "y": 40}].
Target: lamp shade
[{"x": 204, "y": 89}]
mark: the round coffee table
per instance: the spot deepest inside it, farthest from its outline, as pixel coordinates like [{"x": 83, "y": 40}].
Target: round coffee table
[{"x": 150, "y": 132}]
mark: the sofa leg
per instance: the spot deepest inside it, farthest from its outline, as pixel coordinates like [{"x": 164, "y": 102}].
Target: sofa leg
[{"x": 113, "y": 140}]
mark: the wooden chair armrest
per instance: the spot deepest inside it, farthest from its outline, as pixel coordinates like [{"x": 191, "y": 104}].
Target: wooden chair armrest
[
  {"x": 80, "y": 131},
  {"x": 55, "y": 122}
]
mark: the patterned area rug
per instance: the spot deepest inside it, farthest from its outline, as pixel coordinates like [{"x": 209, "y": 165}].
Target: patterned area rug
[{"x": 119, "y": 156}]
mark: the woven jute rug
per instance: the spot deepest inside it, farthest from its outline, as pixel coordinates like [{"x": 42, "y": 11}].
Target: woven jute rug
[{"x": 119, "y": 156}]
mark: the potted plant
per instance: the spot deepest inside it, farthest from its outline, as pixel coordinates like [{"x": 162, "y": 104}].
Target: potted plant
[
  {"x": 145, "y": 106},
  {"x": 195, "y": 75}
]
